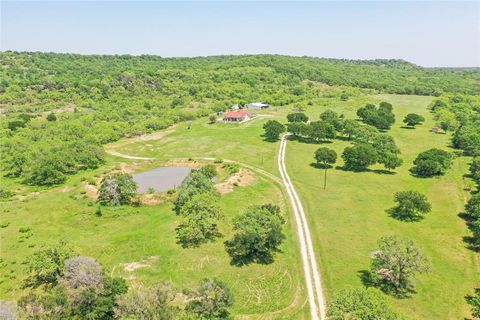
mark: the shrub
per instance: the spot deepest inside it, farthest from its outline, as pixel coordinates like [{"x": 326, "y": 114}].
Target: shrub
[
  {"x": 24, "y": 229},
  {"x": 364, "y": 304},
  {"x": 210, "y": 300},
  {"x": 209, "y": 170},
  {"x": 45, "y": 266},
  {"x": 51, "y": 117},
  {"x": 231, "y": 167}
]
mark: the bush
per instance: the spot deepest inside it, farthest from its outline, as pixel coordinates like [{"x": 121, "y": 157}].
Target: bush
[
  {"x": 24, "y": 229},
  {"x": 51, "y": 117},
  {"x": 431, "y": 163},
  {"x": 154, "y": 302},
  {"x": 45, "y": 266},
  {"x": 209, "y": 170},
  {"x": 361, "y": 304},
  {"x": 231, "y": 167},
  {"x": 210, "y": 300}
]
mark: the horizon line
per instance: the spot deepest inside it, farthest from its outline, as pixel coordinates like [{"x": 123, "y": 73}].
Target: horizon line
[{"x": 236, "y": 55}]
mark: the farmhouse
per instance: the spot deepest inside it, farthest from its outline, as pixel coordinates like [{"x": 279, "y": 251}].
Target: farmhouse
[
  {"x": 238, "y": 116},
  {"x": 257, "y": 105}
]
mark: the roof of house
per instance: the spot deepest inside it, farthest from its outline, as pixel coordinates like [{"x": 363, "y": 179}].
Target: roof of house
[
  {"x": 237, "y": 114},
  {"x": 258, "y": 104}
]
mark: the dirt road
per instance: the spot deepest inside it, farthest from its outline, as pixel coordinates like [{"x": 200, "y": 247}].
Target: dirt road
[{"x": 313, "y": 283}]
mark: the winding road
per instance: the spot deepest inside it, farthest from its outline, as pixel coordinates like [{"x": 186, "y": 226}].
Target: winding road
[{"x": 316, "y": 297}]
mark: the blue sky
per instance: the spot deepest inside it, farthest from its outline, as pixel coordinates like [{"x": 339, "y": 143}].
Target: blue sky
[{"x": 426, "y": 33}]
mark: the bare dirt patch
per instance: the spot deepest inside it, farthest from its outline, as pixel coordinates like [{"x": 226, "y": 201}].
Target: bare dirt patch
[
  {"x": 154, "y": 198},
  {"x": 144, "y": 137},
  {"x": 90, "y": 191},
  {"x": 132, "y": 266},
  {"x": 194, "y": 164},
  {"x": 242, "y": 178}
]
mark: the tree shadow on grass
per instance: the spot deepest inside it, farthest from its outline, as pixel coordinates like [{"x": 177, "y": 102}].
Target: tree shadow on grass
[
  {"x": 470, "y": 241},
  {"x": 267, "y": 139},
  {"x": 368, "y": 280},
  {"x": 320, "y": 166},
  {"x": 407, "y": 127},
  {"x": 377, "y": 171},
  {"x": 239, "y": 257},
  {"x": 243, "y": 260},
  {"x": 308, "y": 140},
  {"x": 397, "y": 214}
]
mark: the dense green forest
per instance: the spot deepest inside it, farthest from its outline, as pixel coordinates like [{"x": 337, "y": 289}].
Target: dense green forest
[{"x": 58, "y": 109}]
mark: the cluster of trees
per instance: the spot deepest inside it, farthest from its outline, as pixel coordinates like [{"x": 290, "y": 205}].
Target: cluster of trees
[
  {"x": 370, "y": 146},
  {"x": 68, "y": 286},
  {"x": 381, "y": 149},
  {"x": 197, "y": 204},
  {"x": 461, "y": 115},
  {"x": 65, "y": 285},
  {"x": 47, "y": 161},
  {"x": 258, "y": 232},
  {"x": 380, "y": 117}
]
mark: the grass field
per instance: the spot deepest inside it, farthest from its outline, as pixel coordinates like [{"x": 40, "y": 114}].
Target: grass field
[
  {"x": 348, "y": 218},
  {"x": 345, "y": 220},
  {"x": 146, "y": 235}
]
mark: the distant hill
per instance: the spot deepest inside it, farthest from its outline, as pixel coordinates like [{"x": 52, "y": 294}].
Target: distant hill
[{"x": 385, "y": 75}]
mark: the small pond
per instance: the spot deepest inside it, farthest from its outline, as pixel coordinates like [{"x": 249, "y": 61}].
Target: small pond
[{"x": 161, "y": 179}]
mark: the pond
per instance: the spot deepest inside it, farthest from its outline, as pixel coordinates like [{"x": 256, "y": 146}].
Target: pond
[{"x": 161, "y": 179}]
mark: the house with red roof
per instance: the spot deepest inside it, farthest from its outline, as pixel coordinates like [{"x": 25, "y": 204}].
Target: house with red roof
[{"x": 238, "y": 116}]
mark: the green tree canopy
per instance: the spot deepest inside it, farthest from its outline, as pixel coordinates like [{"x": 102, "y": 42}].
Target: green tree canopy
[
  {"x": 359, "y": 157},
  {"x": 395, "y": 264},
  {"x": 273, "y": 129},
  {"x": 411, "y": 205}
]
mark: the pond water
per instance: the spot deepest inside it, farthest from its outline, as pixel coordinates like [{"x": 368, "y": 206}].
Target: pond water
[{"x": 161, "y": 179}]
